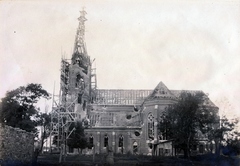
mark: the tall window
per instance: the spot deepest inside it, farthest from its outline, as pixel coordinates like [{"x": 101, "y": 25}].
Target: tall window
[
  {"x": 77, "y": 83},
  {"x": 84, "y": 105},
  {"x": 105, "y": 140},
  {"x": 90, "y": 142},
  {"x": 79, "y": 98},
  {"x": 150, "y": 126},
  {"x": 120, "y": 143}
]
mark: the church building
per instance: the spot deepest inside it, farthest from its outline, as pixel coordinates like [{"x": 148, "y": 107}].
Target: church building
[{"x": 125, "y": 121}]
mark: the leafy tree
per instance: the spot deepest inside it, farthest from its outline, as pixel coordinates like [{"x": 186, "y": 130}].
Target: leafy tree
[
  {"x": 223, "y": 134},
  {"x": 228, "y": 138},
  {"x": 18, "y": 107},
  {"x": 44, "y": 121},
  {"x": 226, "y": 129},
  {"x": 77, "y": 138},
  {"x": 232, "y": 148},
  {"x": 184, "y": 120}
]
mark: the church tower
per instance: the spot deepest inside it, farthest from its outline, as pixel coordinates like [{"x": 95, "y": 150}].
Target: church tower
[{"x": 76, "y": 75}]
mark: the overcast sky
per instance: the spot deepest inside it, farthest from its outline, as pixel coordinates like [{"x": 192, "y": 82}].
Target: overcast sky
[{"x": 188, "y": 45}]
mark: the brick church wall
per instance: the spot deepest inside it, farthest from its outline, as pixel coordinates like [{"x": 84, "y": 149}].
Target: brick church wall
[{"x": 16, "y": 146}]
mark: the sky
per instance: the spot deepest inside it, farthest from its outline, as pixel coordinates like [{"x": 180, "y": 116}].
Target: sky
[{"x": 188, "y": 45}]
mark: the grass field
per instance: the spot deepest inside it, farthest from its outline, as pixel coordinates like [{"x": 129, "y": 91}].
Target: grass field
[{"x": 138, "y": 160}]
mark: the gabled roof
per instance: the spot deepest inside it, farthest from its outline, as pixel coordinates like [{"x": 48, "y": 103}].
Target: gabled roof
[{"x": 161, "y": 91}]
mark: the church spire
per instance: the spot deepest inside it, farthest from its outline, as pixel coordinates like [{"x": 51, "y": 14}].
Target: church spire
[{"x": 79, "y": 45}]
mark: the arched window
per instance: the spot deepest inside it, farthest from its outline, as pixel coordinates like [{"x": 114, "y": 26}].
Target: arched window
[
  {"x": 150, "y": 126},
  {"x": 80, "y": 98},
  {"x": 135, "y": 147},
  {"x": 105, "y": 140},
  {"x": 84, "y": 105},
  {"x": 77, "y": 83},
  {"x": 120, "y": 143},
  {"x": 82, "y": 84},
  {"x": 90, "y": 142}
]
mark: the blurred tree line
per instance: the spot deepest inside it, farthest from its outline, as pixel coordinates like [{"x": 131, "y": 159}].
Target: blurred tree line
[{"x": 189, "y": 120}]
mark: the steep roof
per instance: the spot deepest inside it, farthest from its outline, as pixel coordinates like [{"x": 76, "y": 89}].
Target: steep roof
[
  {"x": 161, "y": 91},
  {"x": 136, "y": 97}
]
